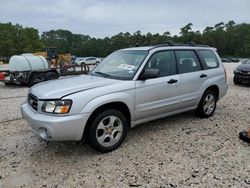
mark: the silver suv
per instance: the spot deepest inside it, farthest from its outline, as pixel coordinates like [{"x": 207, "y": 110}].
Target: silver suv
[{"x": 129, "y": 87}]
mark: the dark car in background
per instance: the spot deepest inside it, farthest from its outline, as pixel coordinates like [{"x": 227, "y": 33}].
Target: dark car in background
[
  {"x": 235, "y": 60},
  {"x": 242, "y": 73},
  {"x": 230, "y": 60},
  {"x": 225, "y": 60}
]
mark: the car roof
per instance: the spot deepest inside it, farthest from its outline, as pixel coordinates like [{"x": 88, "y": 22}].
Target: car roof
[
  {"x": 137, "y": 48},
  {"x": 170, "y": 46}
]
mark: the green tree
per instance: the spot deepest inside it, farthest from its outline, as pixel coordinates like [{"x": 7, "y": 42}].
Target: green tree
[{"x": 230, "y": 39}]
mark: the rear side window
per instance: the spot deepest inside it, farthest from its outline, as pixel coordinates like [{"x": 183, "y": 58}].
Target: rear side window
[
  {"x": 187, "y": 61},
  {"x": 209, "y": 58}
]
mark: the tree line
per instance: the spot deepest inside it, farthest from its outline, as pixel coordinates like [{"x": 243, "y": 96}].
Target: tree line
[{"x": 230, "y": 39}]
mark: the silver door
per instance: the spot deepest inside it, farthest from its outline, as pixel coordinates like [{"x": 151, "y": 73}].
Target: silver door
[
  {"x": 158, "y": 96},
  {"x": 192, "y": 78}
]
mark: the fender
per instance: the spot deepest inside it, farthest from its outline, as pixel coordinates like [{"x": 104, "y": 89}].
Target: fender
[{"x": 125, "y": 98}]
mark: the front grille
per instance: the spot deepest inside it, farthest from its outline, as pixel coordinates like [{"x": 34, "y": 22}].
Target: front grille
[{"x": 33, "y": 101}]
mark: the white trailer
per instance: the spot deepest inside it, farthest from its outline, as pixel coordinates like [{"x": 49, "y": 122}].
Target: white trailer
[{"x": 29, "y": 69}]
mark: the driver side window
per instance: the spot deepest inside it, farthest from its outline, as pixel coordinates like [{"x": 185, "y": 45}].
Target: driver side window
[{"x": 164, "y": 61}]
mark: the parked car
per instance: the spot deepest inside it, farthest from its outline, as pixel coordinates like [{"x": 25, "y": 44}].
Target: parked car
[
  {"x": 242, "y": 73},
  {"x": 225, "y": 60},
  {"x": 230, "y": 60},
  {"x": 131, "y": 86},
  {"x": 79, "y": 60},
  {"x": 235, "y": 60},
  {"x": 88, "y": 60}
]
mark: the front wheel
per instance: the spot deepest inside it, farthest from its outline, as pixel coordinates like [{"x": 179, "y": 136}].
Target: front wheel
[
  {"x": 107, "y": 131},
  {"x": 207, "y": 104}
]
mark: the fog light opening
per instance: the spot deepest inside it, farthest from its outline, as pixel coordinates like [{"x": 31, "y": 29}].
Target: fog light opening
[{"x": 44, "y": 133}]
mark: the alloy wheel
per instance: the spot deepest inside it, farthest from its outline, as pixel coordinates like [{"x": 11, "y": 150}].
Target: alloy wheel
[
  {"x": 209, "y": 104},
  {"x": 109, "y": 131}
]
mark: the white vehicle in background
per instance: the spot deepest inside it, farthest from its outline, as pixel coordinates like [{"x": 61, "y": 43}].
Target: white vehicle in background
[
  {"x": 79, "y": 60},
  {"x": 88, "y": 60}
]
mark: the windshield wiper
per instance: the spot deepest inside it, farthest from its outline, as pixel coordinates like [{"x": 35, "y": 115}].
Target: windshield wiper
[
  {"x": 103, "y": 74},
  {"x": 109, "y": 76}
]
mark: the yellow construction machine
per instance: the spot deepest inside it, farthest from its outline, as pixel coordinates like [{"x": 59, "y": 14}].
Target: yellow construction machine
[{"x": 54, "y": 58}]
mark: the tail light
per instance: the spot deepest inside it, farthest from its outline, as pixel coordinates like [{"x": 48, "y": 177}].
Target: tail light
[{"x": 2, "y": 76}]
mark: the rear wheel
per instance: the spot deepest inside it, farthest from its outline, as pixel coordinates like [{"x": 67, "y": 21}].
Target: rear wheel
[
  {"x": 35, "y": 79},
  {"x": 84, "y": 67},
  {"x": 51, "y": 76},
  {"x": 107, "y": 131},
  {"x": 207, "y": 104}
]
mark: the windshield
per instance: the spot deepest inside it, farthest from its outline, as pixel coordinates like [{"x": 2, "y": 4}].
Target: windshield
[
  {"x": 247, "y": 62},
  {"x": 120, "y": 64}
]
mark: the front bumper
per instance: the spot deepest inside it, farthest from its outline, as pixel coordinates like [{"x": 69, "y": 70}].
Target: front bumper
[
  {"x": 57, "y": 128},
  {"x": 243, "y": 78}
]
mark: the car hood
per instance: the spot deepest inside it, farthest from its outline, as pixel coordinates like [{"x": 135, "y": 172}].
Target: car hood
[
  {"x": 56, "y": 89},
  {"x": 244, "y": 67}
]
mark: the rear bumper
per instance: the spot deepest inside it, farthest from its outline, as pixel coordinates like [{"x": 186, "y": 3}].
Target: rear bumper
[{"x": 53, "y": 127}]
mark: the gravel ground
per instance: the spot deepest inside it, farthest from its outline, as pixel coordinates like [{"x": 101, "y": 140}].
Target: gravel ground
[{"x": 178, "y": 151}]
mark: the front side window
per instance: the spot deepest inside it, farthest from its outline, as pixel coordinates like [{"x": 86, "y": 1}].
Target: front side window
[
  {"x": 187, "y": 61},
  {"x": 164, "y": 61},
  {"x": 209, "y": 58},
  {"x": 120, "y": 64}
]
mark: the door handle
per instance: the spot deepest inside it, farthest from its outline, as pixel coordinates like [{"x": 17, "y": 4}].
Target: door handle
[
  {"x": 203, "y": 76},
  {"x": 172, "y": 81}
]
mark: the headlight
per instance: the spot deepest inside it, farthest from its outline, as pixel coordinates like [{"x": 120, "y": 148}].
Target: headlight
[{"x": 57, "y": 107}]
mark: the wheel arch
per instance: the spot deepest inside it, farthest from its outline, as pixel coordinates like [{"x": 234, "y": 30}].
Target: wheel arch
[
  {"x": 215, "y": 89},
  {"x": 116, "y": 105}
]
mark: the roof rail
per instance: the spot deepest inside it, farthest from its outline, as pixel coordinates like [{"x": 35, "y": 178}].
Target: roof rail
[{"x": 177, "y": 44}]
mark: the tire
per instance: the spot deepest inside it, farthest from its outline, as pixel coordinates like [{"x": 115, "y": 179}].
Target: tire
[
  {"x": 96, "y": 63},
  {"x": 34, "y": 80},
  {"x": 86, "y": 67},
  {"x": 207, "y": 104},
  {"x": 51, "y": 76},
  {"x": 236, "y": 81},
  {"x": 8, "y": 83},
  {"x": 102, "y": 131},
  {"x": 83, "y": 64}
]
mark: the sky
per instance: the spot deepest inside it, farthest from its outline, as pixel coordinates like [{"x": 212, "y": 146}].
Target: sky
[{"x": 101, "y": 18}]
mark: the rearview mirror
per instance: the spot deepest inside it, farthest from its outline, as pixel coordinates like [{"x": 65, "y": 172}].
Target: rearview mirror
[{"x": 150, "y": 73}]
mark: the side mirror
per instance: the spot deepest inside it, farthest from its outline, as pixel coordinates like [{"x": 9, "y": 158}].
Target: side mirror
[{"x": 150, "y": 73}]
